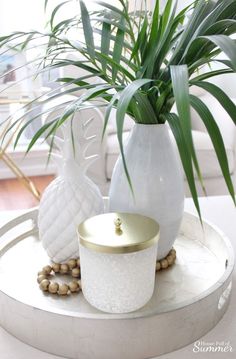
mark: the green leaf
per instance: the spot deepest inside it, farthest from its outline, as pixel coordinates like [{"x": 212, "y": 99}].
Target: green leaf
[
  {"x": 228, "y": 25},
  {"x": 108, "y": 111},
  {"x": 78, "y": 81},
  {"x": 55, "y": 10},
  {"x": 226, "y": 63},
  {"x": 179, "y": 75},
  {"x": 54, "y": 128},
  {"x": 200, "y": 12},
  {"x": 83, "y": 66},
  {"x": 216, "y": 138},
  {"x": 94, "y": 92},
  {"x": 38, "y": 134},
  {"x": 22, "y": 129},
  {"x": 118, "y": 47},
  {"x": 213, "y": 17},
  {"x": 27, "y": 41},
  {"x": 45, "y": 4},
  {"x": 225, "y": 44},
  {"x": 87, "y": 29},
  {"x": 114, "y": 9},
  {"x": 62, "y": 25},
  {"x": 211, "y": 74},
  {"x": 141, "y": 42},
  {"x": 115, "y": 65},
  {"x": 105, "y": 43},
  {"x": 146, "y": 111},
  {"x": 176, "y": 128},
  {"x": 228, "y": 10},
  {"x": 155, "y": 24},
  {"x": 127, "y": 45},
  {"x": 220, "y": 95},
  {"x": 31, "y": 110},
  {"x": 161, "y": 99},
  {"x": 165, "y": 44},
  {"x": 122, "y": 106},
  {"x": 166, "y": 15},
  {"x": 114, "y": 24}
]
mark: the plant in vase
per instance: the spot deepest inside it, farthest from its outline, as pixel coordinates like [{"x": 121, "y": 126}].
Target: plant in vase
[{"x": 147, "y": 61}]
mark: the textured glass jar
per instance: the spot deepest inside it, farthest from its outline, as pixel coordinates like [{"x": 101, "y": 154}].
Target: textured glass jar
[{"x": 118, "y": 259}]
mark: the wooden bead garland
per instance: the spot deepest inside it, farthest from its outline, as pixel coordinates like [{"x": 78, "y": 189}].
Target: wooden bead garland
[
  {"x": 73, "y": 267},
  {"x": 166, "y": 262}
]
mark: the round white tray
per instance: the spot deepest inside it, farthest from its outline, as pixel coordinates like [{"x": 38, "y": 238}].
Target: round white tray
[{"x": 189, "y": 299}]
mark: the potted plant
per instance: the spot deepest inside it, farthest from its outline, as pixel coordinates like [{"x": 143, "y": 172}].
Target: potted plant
[{"x": 147, "y": 61}]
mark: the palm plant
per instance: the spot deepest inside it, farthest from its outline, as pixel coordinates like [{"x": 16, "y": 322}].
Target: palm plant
[{"x": 147, "y": 61}]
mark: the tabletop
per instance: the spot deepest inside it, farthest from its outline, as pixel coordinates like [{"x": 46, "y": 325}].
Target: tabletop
[{"x": 217, "y": 210}]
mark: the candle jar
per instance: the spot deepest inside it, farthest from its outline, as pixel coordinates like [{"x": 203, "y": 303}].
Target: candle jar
[{"x": 118, "y": 259}]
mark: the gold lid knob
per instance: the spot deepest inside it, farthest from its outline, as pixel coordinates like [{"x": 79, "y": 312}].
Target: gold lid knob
[{"x": 118, "y": 223}]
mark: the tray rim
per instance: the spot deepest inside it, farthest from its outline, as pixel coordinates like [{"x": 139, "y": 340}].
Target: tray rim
[{"x": 32, "y": 215}]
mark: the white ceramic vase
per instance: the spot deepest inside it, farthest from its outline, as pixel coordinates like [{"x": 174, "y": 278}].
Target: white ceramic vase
[
  {"x": 157, "y": 180},
  {"x": 70, "y": 199}
]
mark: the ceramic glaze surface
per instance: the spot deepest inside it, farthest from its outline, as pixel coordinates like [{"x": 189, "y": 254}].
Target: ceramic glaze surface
[
  {"x": 118, "y": 283},
  {"x": 157, "y": 181},
  {"x": 65, "y": 203},
  {"x": 72, "y": 197}
]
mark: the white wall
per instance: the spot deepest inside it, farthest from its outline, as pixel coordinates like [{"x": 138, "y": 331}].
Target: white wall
[
  {"x": 29, "y": 14},
  {"x": 20, "y": 15}
]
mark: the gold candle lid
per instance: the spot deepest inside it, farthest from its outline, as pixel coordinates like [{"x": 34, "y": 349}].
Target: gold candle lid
[{"x": 118, "y": 233}]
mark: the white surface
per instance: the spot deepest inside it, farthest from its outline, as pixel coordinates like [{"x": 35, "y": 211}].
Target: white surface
[
  {"x": 218, "y": 210},
  {"x": 157, "y": 181}
]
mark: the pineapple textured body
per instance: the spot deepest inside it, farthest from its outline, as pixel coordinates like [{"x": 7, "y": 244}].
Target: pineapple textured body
[{"x": 64, "y": 205}]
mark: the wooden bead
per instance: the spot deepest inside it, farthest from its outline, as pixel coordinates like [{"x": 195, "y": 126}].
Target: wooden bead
[
  {"x": 75, "y": 272},
  {"x": 44, "y": 285},
  {"x": 53, "y": 287},
  {"x": 158, "y": 266},
  {"x": 64, "y": 269},
  {"x": 170, "y": 260},
  {"x": 63, "y": 289},
  {"x": 56, "y": 267},
  {"x": 41, "y": 273},
  {"x": 74, "y": 287},
  {"x": 78, "y": 262},
  {"x": 173, "y": 252},
  {"x": 72, "y": 263},
  {"x": 164, "y": 263},
  {"x": 79, "y": 282},
  {"x": 47, "y": 270},
  {"x": 41, "y": 277}
]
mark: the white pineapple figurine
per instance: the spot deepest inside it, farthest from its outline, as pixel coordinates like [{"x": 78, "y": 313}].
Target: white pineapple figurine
[{"x": 71, "y": 198}]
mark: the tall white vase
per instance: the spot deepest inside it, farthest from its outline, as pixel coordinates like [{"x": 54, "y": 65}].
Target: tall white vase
[{"x": 157, "y": 181}]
